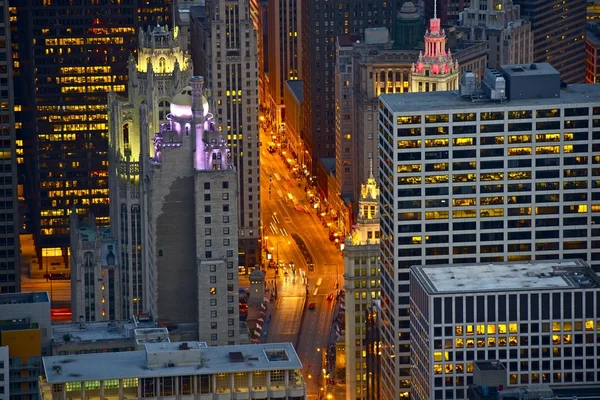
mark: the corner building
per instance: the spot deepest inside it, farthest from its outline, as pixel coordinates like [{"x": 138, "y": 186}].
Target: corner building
[
  {"x": 470, "y": 180},
  {"x": 538, "y": 318}
]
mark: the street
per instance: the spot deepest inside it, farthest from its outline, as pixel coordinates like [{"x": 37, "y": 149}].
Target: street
[{"x": 286, "y": 210}]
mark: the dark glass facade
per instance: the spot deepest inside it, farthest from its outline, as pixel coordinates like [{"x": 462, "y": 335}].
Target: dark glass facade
[
  {"x": 321, "y": 23},
  {"x": 558, "y": 35},
  {"x": 71, "y": 54}
]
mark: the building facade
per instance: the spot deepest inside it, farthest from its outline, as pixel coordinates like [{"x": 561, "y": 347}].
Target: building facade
[
  {"x": 76, "y": 65},
  {"x": 466, "y": 179},
  {"x": 284, "y": 54},
  {"x": 558, "y": 35},
  {"x": 191, "y": 196},
  {"x": 509, "y": 37},
  {"x": 538, "y": 318},
  {"x": 26, "y": 333},
  {"x": 361, "y": 284},
  {"x": 95, "y": 272},
  {"x": 4, "y": 373},
  {"x": 448, "y": 10},
  {"x": 320, "y": 25},
  {"x": 294, "y": 131},
  {"x": 10, "y": 222},
  {"x": 375, "y": 67},
  {"x": 162, "y": 69},
  {"x": 186, "y": 370},
  {"x": 224, "y": 51},
  {"x": 592, "y": 52}
]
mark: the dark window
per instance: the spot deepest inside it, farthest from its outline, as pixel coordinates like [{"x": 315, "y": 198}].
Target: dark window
[
  {"x": 567, "y": 306},
  {"x": 501, "y": 308},
  {"x": 470, "y": 310},
  {"x": 458, "y": 305},
  {"x": 589, "y": 305},
  {"x": 523, "y": 307},
  {"x": 206, "y": 185},
  {"x": 491, "y": 308},
  {"x": 556, "y": 306},
  {"x": 545, "y": 306},
  {"x": 437, "y": 311},
  {"x": 512, "y": 307},
  {"x": 535, "y": 312},
  {"x": 448, "y": 310},
  {"x": 578, "y": 305}
]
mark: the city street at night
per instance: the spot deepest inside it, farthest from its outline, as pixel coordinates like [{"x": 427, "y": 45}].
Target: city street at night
[{"x": 286, "y": 212}]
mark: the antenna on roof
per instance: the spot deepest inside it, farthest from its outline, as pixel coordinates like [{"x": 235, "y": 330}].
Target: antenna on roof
[{"x": 434, "y": 9}]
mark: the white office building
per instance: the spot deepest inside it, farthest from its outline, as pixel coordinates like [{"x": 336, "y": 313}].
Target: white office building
[
  {"x": 182, "y": 370},
  {"x": 538, "y": 318},
  {"x": 504, "y": 174}
]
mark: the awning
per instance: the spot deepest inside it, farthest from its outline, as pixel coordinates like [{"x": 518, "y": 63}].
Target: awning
[
  {"x": 262, "y": 305},
  {"x": 259, "y": 327},
  {"x": 261, "y": 320}
]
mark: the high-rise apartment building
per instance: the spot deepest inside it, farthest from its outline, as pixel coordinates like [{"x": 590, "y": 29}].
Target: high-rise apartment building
[
  {"x": 558, "y": 35},
  {"x": 190, "y": 232},
  {"x": 284, "y": 53},
  {"x": 321, "y": 23},
  {"x": 95, "y": 272},
  {"x": 162, "y": 70},
  {"x": 224, "y": 51},
  {"x": 509, "y": 36},
  {"x": 10, "y": 269},
  {"x": 4, "y": 373},
  {"x": 503, "y": 174},
  {"x": 538, "y": 318},
  {"x": 361, "y": 284}
]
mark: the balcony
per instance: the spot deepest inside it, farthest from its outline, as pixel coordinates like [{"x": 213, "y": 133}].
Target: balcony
[{"x": 277, "y": 391}]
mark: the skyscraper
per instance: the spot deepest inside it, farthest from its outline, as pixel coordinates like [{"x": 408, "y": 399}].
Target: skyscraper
[
  {"x": 558, "y": 35},
  {"x": 448, "y": 10},
  {"x": 361, "y": 283},
  {"x": 80, "y": 52},
  {"x": 161, "y": 71},
  {"x": 10, "y": 269},
  {"x": 224, "y": 51},
  {"x": 504, "y": 174},
  {"x": 500, "y": 24},
  {"x": 321, "y": 23},
  {"x": 190, "y": 228},
  {"x": 284, "y": 53}
]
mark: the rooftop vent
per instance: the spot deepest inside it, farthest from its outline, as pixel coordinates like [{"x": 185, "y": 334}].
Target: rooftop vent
[
  {"x": 184, "y": 346},
  {"x": 236, "y": 356},
  {"x": 533, "y": 66}
]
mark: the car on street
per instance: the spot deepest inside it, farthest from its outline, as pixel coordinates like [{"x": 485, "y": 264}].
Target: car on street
[
  {"x": 312, "y": 306},
  {"x": 330, "y": 296}
]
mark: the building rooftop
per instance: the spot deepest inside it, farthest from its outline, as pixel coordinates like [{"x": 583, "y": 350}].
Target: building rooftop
[
  {"x": 96, "y": 331},
  {"x": 296, "y": 89},
  {"x": 24, "y": 298},
  {"x": 172, "y": 359},
  {"x": 532, "y": 70},
  {"x": 434, "y": 102},
  {"x": 495, "y": 277},
  {"x": 592, "y": 33}
]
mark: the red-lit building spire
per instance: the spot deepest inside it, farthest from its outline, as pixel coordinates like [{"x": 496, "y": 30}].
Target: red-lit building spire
[{"x": 436, "y": 61}]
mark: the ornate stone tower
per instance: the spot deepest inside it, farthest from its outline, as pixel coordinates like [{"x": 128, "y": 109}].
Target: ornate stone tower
[
  {"x": 436, "y": 70},
  {"x": 161, "y": 70}
]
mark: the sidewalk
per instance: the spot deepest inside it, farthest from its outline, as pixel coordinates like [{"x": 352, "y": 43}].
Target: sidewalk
[{"x": 280, "y": 318}]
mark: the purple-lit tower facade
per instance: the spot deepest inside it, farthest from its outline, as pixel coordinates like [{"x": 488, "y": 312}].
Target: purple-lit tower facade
[{"x": 190, "y": 191}]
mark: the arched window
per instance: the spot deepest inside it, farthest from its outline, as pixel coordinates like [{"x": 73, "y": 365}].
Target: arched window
[
  {"x": 163, "y": 110},
  {"x": 162, "y": 65},
  {"x": 126, "y": 133}
]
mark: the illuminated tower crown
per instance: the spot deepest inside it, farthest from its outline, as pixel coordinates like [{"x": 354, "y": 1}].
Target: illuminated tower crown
[{"x": 436, "y": 69}]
